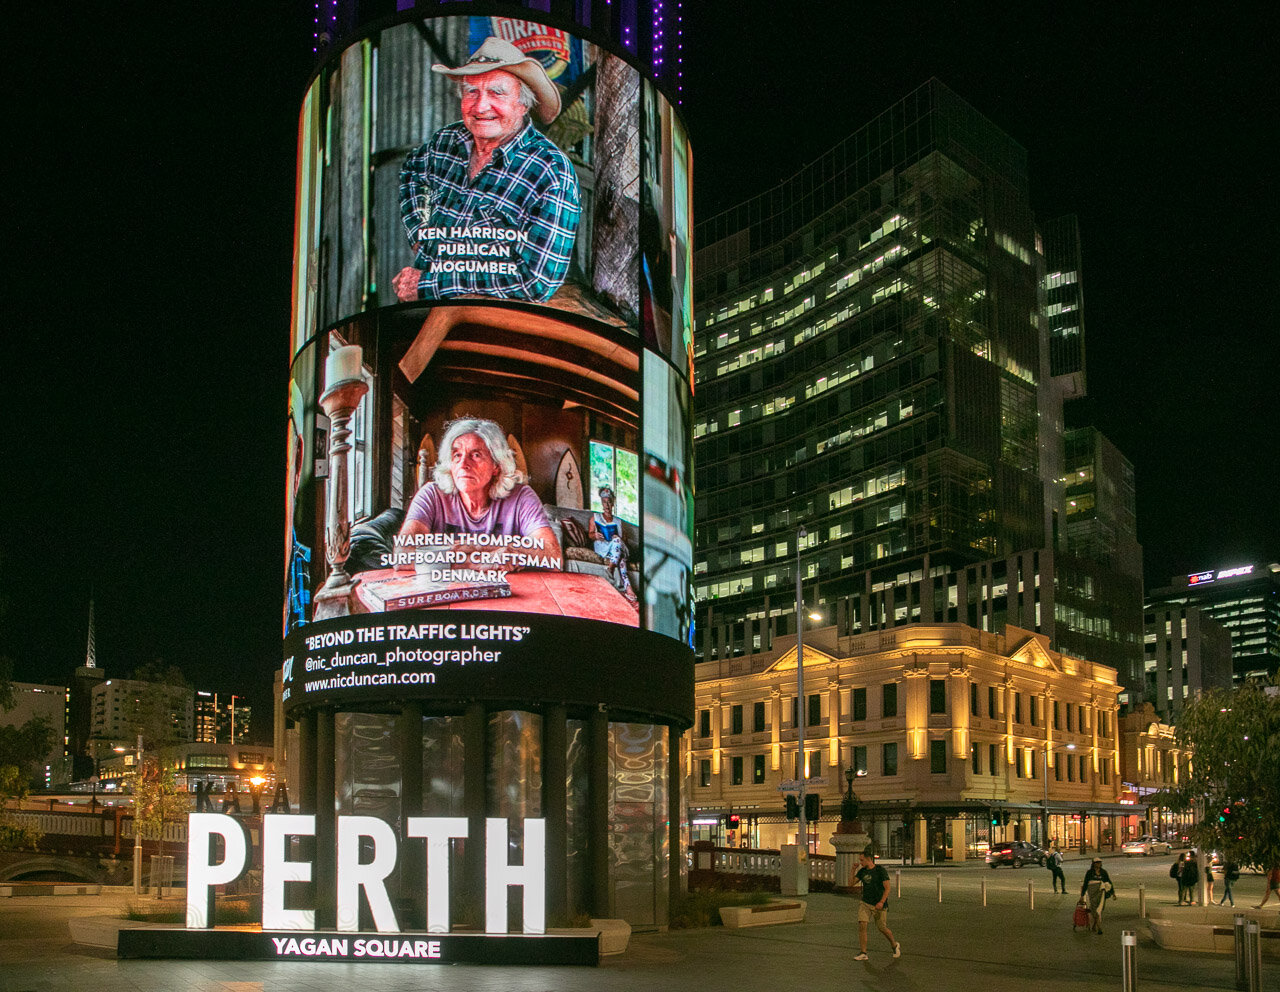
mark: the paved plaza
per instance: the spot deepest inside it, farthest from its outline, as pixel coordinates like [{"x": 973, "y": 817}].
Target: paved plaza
[{"x": 953, "y": 944}]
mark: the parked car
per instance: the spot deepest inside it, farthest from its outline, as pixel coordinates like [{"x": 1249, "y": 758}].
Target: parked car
[
  {"x": 1146, "y": 844},
  {"x": 1015, "y": 853}
]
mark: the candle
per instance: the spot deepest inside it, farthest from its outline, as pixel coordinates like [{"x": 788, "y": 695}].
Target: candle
[{"x": 343, "y": 364}]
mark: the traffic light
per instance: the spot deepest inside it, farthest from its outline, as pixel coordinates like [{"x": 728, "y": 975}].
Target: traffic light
[
  {"x": 812, "y": 807},
  {"x": 793, "y": 807},
  {"x": 995, "y": 819},
  {"x": 734, "y": 821}
]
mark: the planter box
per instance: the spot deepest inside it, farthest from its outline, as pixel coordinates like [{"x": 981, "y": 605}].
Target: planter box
[
  {"x": 1176, "y": 936},
  {"x": 736, "y": 917},
  {"x": 614, "y": 935}
]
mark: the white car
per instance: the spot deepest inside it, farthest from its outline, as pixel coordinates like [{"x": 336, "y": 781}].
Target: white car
[{"x": 1145, "y": 845}]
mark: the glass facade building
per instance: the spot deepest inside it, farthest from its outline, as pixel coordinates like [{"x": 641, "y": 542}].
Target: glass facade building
[
  {"x": 1064, "y": 302},
  {"x": 876, "y": 398}
]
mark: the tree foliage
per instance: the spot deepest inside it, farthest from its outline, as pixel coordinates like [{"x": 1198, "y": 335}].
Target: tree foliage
[
  {"x": 1234, "y": 740},
  {"x": 156, "y": 801},
  {"x": 154, "y": 713},
  {"x": 14, "y": 835},
  {"x": 22, "y": 749}
]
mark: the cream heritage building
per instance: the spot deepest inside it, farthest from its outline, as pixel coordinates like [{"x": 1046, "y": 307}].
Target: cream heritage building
[{"x": 946, "y": 728}]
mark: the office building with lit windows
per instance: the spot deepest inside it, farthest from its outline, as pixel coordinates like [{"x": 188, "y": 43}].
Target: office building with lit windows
[
  {"x": 1245, "y": 599},
  {"x": 877, "y": 397},
  {"x": 1184, "y": 652},
  {"x": 221, "y": 718},
  {"x": 120, "y": 706},
  {"x": 944, "y": 727}
]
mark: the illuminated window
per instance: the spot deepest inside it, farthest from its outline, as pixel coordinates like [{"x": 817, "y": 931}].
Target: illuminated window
[{"x": 619, "y": 469}]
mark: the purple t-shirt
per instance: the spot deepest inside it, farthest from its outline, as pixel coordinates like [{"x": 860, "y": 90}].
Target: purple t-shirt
[{"x": 518, "y": 515}]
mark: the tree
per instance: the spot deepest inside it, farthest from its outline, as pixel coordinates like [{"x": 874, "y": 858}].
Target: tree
[
  {"x": 22, "y": 749},
  {"x": 1234, "y": 741},
  {"x": 159, "y": 702},
  {"x": 156, "y": 801}
]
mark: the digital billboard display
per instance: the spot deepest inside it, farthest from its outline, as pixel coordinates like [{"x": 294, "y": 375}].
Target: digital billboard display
[{"x": 490, "y": 390}]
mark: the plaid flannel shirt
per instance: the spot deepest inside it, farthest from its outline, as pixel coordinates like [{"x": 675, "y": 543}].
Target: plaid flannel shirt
[{"x": 529, "y": 186}]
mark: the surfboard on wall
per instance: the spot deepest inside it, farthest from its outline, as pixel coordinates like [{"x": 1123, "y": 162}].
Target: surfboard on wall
[{"x": 569, "y": 482}]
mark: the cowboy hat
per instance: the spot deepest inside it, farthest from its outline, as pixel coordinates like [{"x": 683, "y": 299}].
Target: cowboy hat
[{"x": 498, "y": 54}]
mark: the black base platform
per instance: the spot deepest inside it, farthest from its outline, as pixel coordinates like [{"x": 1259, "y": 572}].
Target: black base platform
[{"x": 411, "y": 948}]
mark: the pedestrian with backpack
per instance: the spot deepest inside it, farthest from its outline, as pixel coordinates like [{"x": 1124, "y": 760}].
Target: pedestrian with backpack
[
  {"x": 1189, "y": 878},
  {"x": 1230, "y": 873},
  {"x": 1054, "y": 863}
]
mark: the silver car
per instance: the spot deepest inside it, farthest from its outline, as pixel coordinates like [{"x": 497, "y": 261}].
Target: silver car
[{"x": 1146, "y": 844}]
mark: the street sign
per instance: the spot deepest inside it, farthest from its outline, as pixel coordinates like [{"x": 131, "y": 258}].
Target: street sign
[{"x": 793, "y": 784}]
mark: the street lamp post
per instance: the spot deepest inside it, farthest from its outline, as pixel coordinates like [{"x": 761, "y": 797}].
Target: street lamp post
[
  {"x": 801, "y": 534},
  {"x": 137, "y": 825}
]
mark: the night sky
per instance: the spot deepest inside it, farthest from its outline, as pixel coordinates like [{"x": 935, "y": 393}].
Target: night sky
[{"x": 149, "y": 220}]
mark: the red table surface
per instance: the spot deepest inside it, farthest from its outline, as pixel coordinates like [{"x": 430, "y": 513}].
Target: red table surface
[{"x": 567, "y": 594}]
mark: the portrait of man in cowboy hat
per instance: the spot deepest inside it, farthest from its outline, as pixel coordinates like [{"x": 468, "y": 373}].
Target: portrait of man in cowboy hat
[{"x": 490, "y": 205}]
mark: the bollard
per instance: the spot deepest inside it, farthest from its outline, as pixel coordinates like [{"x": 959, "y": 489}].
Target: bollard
[
  {"x": 1142, "y": 902},
  {"x": 1031, "y": 895},
  {"x": 897, "y": 878},
  {"x": 984, "y": 892},
  {"x": 1238, "y": 934},
  {"x": 1129, "y": 959},
  {"x": 1253, "y": 956},
  {"x": 939, "y": 886}
]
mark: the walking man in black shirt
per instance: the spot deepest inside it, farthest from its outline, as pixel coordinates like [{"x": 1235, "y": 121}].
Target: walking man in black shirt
[{"x": 875, "y": 903}]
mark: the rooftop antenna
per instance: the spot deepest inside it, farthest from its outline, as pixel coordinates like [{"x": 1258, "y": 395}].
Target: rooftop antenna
[{"x": 91, "y": 654}]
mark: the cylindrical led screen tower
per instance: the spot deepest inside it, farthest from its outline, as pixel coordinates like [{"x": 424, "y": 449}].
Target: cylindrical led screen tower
[{"x": 488, "y": 560}]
